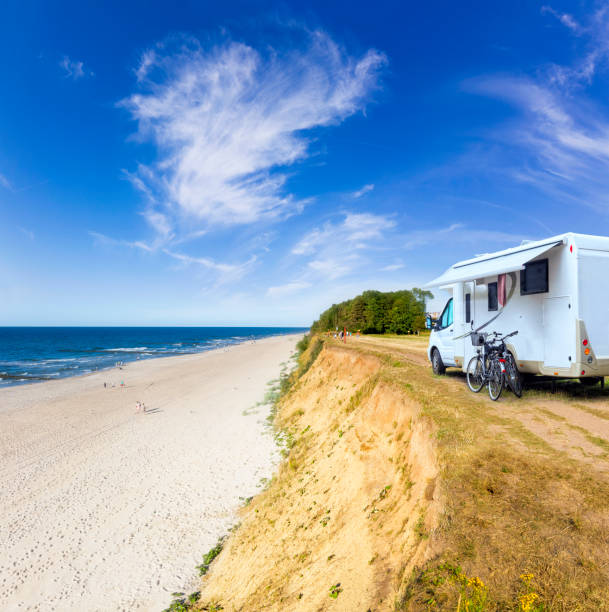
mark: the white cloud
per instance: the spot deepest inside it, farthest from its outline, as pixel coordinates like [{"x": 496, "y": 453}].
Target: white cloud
[
  {"x": 364, "y": 226},
  {"x": 560, "y": 144},
  {"x": 226, "y": 121},
  {"x": 160, "y": 223},
  {"x": 73, "y": 69},
  {"x": 27, "y": 232},
  {"x": 287, "y": 289},
  {"x": 354, "y": 228},
  {"x": 365, "y": 189},
  {"x": 108, "y": 241},
  {"x": 5, "y": 182},
  {"x": 392, "y": 267},
  {"x": 337, "y": 249},
  {"x": 564, "y": 18},
  {"x": 332, "y": 268},
  {"x": 225, "y": 272}
]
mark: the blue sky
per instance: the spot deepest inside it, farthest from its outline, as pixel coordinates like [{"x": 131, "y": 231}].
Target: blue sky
[{"x": 252, "y": 163}]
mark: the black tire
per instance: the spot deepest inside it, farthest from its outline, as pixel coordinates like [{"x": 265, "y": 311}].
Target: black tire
[
  {"x": 475, "y": 378},
  {"x": 513, "y": 376},
  {"x": 437, "y": 365},
  {"x": 495, "y": 382},
  {"x": 589, "y": 382}
]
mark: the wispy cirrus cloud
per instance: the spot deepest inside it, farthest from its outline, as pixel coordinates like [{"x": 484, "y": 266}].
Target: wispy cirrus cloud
[
  {"x": 560, "y": 143},
  {"x": 337, "y": 248},
  {"x": 26, "y": 232},
  {"x": 223, "y": 272},
  {"x": 4, "y": 182},
  {"x": 102, "y": 239},
  {"x": 363, "y": 191},
  {"x": 287, "y": 289},
  {"x": 565, "y": 18},
  {"x": 227, "y": 121},
  {"x": 74, "y": 69},
  {"x": 354, "y": 228},
  {"x": 392, "y": 267},
  {"x": 226, "y": 273}
]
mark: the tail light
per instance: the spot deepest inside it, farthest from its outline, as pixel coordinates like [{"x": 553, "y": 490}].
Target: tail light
[{"x": 583, "y": 372}]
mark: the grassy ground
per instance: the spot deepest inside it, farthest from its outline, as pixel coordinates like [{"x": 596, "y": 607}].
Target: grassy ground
[
  {"x": 526, "y": 505},
  {"x": 402, "y": 490}
]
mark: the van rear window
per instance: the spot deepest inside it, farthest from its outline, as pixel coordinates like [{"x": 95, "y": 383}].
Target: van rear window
[
  {"x": 492, "y": 296},
  {"x": 534, "y": 277}
]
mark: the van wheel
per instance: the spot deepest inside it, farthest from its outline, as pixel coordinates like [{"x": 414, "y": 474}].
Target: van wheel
[
  {"x": 589, "y": 382},
  {"x": 437, "y": 365}
]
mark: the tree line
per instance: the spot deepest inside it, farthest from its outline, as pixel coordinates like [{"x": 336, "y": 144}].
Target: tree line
[{"x": 377, "y": 312}]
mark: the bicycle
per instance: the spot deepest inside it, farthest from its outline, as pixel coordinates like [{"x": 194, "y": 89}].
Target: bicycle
[{"x": 493, "y": 366}]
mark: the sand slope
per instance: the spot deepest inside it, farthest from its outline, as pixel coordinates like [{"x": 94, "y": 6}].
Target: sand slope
[{"x": 102, "y": 508}]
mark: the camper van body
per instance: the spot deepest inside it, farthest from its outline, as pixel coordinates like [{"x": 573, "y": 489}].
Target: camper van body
[{"x": 556, "y": 297}]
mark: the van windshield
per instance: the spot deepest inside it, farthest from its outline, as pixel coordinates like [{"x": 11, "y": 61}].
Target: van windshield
[{"x": 447, "y": 316}]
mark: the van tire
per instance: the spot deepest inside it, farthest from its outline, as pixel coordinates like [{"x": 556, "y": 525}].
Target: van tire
[
  {"x": 437, "y": 365},
  {"x": 589, "y": 381}
]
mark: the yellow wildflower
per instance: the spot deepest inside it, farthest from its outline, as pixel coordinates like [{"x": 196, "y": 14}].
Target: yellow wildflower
[
  {"x": 526, "y": 577},
  {"x": 528, "y": 601},
  {"x": 475, "y": 583}
]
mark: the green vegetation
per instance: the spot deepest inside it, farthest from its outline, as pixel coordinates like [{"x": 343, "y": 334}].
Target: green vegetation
[
  {"x": 181, "y": 603},
  {"x": 375, "y": 312},
  {"x": 210, "y": 556}
]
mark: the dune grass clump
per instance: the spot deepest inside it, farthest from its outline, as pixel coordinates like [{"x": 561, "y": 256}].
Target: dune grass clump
[
  {"x": 210, "y": 556},
  {"x": 303, "y": 344},
  {"x": 183, "y": 603}
]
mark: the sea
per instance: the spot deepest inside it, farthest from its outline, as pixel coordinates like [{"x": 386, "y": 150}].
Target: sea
[{"x": 33, "y": 354}]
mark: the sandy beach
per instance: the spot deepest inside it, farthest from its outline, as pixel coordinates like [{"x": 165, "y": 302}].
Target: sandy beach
[{"x": 105, "y": 508}]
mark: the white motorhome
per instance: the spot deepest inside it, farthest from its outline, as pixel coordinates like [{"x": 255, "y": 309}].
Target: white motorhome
[{"x": 554, "y": 292}]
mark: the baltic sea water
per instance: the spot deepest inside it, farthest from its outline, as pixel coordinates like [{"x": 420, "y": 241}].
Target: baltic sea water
[{"x": 31, "y": 354}]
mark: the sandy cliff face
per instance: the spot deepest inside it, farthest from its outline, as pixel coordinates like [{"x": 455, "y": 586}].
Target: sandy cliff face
[
  {"x": 351, "y": 509},
  {"x": 404, "y": 491}
]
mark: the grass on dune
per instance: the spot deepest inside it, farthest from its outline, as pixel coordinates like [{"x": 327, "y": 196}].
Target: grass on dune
[{"x": 523, "y": 527}]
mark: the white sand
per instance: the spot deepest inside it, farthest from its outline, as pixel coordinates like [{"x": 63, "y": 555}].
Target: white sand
[{"x": 105, "y": 509}]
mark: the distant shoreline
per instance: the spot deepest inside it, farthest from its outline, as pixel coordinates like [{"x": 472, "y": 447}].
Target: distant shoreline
[{"x": 57, "y": 353}]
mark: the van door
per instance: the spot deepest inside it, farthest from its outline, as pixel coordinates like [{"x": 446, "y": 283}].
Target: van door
[
  {"x": 445, "y": 335},
  {"x": 558, "y": 332}
]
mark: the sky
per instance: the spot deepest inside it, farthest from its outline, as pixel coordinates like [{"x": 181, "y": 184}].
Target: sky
[{"x": 239, "y": 163}]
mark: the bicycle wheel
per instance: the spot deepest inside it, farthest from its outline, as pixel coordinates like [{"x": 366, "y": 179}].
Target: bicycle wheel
[
  {"x": 495, "y": 381},
  {"x": 475, "y": 376},
  {"x": 513, "y": 377}
]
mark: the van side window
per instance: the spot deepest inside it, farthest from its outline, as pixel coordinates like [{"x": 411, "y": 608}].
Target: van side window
[
  {"x": 534, "y": 277},
  {"x": 492, "y": 296},
  {"x": 468, "y": 307},
  {"x": 447, "y": 315}
]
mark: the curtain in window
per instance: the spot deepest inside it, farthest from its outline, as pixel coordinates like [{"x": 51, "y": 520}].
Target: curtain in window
[{"x": 501, "y": 290}]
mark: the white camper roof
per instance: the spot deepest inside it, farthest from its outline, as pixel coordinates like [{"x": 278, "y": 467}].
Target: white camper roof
[{"x": 500, "y": 262}]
